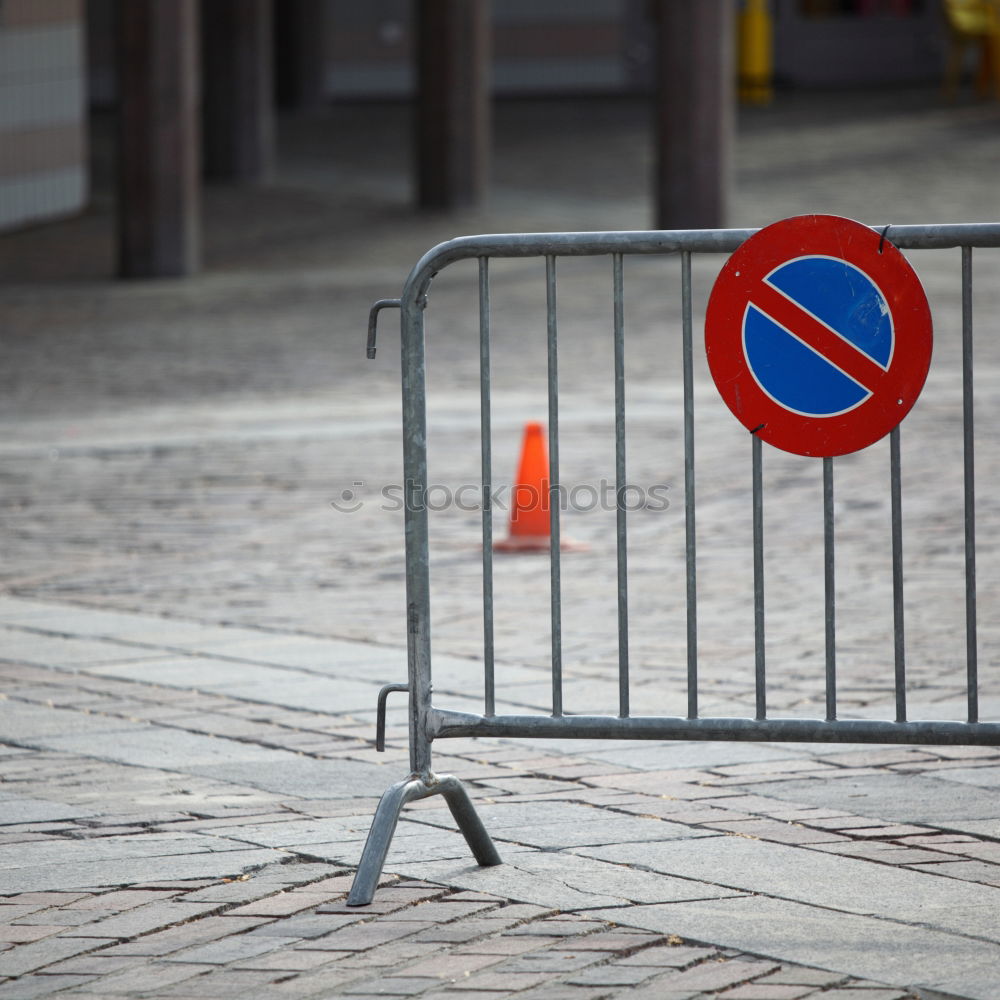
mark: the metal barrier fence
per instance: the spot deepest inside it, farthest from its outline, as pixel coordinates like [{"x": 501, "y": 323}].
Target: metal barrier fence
[{"x": 427, "y": 722}]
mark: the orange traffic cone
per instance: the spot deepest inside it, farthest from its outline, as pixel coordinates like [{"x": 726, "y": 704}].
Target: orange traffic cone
[{"x": 530, "y": 502}]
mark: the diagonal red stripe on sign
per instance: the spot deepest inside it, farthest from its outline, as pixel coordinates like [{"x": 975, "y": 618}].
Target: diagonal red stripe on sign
[{"x": 818, "y": 336}]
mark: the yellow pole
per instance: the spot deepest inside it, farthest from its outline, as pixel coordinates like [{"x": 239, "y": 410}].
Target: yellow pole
[{"x": 756, "y": 53}]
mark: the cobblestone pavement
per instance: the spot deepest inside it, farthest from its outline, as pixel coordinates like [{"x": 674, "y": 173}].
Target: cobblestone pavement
[{"x": 193, "y": 635}]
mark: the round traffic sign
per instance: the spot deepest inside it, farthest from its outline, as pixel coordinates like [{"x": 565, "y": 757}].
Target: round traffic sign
[{"x": 818, "y": 335}]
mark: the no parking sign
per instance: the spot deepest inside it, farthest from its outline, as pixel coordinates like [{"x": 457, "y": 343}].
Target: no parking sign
[{"x": 818, "y": 335}]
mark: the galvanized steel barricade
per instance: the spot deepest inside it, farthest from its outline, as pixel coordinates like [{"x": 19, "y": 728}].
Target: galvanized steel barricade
[{"x": 427, "y": 723}]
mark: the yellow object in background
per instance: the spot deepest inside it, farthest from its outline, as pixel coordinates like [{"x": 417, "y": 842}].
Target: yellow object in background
[
  {"x": 977, "y": 23},
  {"x": 756, "y": 53}
]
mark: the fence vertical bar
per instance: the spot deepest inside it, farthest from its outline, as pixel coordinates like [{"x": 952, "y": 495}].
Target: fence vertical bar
[
  {"x": 418, "y": 612},
  {"x": 898, "y": 624},
  {"x": 486, "y": 447},
  {"x": 555, "y": 577},
  {"x": 621, "y": 485},
  {"x": 829, "y": 590},
  {"x": 971, "y": 643},
  {"x": 690, "y": 544},
  {"x": 758, "y": 577}
]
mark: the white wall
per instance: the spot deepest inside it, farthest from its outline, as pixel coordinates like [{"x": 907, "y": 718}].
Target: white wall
[{"x": 43, "y": 154}]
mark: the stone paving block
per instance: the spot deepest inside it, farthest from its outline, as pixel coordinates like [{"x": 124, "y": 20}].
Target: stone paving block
[
  {"x": 893, "y": 832},
  {"x": 451, "y": 965},
  {"x": 95, "y": 964},
  {"x": 223, "y": 983},
  {"x": 235, "y": 891},
  {"x": 527, "y": 785},
  {"x": 616, "y": 940},
  {"x": 62, "y": 918},
  {"x": 282, "y": 904},
  {"x": 988, "y": 851},
  {"x": 143, "y": 919},
  {"x": 557, "y": 926},
  {"x": 295, "y": 959},
  {"x": 37, "y": 726},
  {"x": 706, "y": 977},
  {"x": 503, "y": 944},
  {"x": 119, "y": 871},
  {"x": 152, "y": 746},
  {"x": 879, "y": 756},
  {"x": 854, "y": 993},
  {"x": 122, "y": 899},
  {"x": 39, "y": 954},
  {"x": 512, "y": 982},
  {"x": 359, "y": 937},
  {"x": 232, "y": 949},
  {"x": 972, "y": 871},
  {"x": 890, "y": 854},
  {"x": 377, "y": 905},
  {"x": 553, "y": 961},
  {"x": 287, "y": 773},
  {"x": 673, "y": 956},
  {"x": 399, "y": 986},
  {"x": 184, "y": 936},
  {"x": 608, "y": 829},
  {"x": 855, "y": 945},
  {"x": 768, "y": 991},
  {"x": 444, "y": 911},
  {"x": 790, "y": 765},
  {"x": 394, "y": 954},
  {"x": 892, "y": 798},
  {"x": 550, "y": 991},
  {"x": 150, "y": 976},
  {"x": 781, "y": 833},
  {"x": 29, "y": 987},
  {"x": 392, "y": 897},
  {"x": 566, "y": 881},
  {"x": 295, "y": 831},
  {"x": 22, "y": 933},
  {"x": 613, "y": 975},
  {"x": 852, "y": 824},
  {"x": 331, "y": 980},
  {"x": 32, "y": 810},
  {"x": 151, "y": 845},
  {"x": 306, "y": 925},
  {"x": 336, "y": 883},
  {"x": 410, "y": 890},
  {"x": 467, "y": 930},
  {"x": 816, "y": 878},
  {"x": 803, "y": 976},
  {"x": 982, "y": 776},
  {"x": 50, "y": 650},
  {"x": 39, "y": 899}
]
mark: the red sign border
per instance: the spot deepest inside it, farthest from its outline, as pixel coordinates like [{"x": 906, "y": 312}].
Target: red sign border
[{"x": 857, "y": 244}]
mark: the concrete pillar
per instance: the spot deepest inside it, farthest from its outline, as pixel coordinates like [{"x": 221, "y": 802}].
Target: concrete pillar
[
  {"x": 453, "y": 121},
  {"x": 300, "y": 31},
  {"x": 237, "y": 89},
  {"x": 695, "y": 112},
  {"x": 159, "y": 143}
]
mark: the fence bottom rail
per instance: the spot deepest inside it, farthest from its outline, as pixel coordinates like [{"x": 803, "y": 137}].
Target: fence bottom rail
[{"x": 935, "y": 732}]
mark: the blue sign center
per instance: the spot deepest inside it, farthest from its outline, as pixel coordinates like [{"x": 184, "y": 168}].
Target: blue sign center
[{"x": 790, "y": 371}]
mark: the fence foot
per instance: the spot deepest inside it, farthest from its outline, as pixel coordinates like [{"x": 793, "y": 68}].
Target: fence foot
[{"x": 387, "y": 816}]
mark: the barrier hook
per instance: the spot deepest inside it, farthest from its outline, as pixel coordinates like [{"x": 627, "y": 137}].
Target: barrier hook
[{"x": 373, "y": 321}]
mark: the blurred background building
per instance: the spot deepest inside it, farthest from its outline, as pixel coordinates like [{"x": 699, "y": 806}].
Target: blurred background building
[{"x": 230, "y": 62}]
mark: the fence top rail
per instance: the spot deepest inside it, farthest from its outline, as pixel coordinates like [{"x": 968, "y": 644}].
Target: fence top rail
[{"x": 922, "y": 237}]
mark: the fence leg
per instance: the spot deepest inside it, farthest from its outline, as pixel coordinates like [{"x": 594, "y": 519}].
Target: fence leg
[
  {"x": 468, "y": 821},
  {"x": 387, "y": 816}
]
